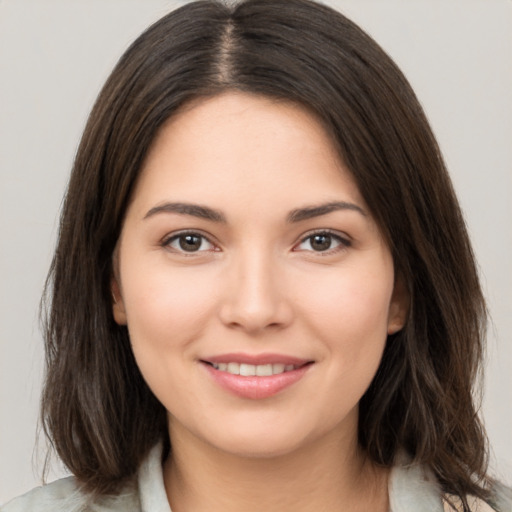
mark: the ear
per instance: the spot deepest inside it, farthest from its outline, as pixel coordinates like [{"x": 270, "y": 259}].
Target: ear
[
  {"x": 398, "y": 307},
  {"x": 118, "y": 309}
]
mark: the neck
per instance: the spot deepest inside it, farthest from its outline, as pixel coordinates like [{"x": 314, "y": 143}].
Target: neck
[{"x": 330, "y": 474}]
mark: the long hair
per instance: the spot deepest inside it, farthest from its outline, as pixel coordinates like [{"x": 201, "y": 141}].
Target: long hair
[{"x": 97, "y": 410}]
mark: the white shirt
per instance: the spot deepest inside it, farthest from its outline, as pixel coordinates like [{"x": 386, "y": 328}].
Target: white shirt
[{"x": 411, "y": 489}]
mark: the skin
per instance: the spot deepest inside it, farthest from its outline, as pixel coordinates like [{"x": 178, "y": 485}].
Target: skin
[{"x": 257, "y": 283}]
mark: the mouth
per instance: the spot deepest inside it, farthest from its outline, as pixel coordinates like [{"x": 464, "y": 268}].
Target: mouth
[
  {"x": 252, "y": 370},
  {"x": 256, "y": 377}
]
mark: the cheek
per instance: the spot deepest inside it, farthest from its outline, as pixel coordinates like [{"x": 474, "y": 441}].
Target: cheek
[
  {"x": 357, "y": 337},
  {"x": 348, "y": 313},
  {"x": 167, "y": 307},
  {"x": 167, "y": 311},
  {"x": 349, "y": 302}
]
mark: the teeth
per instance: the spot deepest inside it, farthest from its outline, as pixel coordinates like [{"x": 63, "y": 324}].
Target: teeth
[
  {"x": 278, "y": 368},
  {"x": 263, "y": 370},
  {"x": 250, "y": 370},
  {"x": 233, "y": 368},
  {"x": 247, "y": 370}
]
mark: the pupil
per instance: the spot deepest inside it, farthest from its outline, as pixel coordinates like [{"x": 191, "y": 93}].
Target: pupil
[
  {"x": 321, "y": 242},
  {"x": 190, "y": 242}
]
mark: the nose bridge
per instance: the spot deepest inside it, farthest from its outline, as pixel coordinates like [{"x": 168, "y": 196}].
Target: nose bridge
[{"x": 256, "y": 298}]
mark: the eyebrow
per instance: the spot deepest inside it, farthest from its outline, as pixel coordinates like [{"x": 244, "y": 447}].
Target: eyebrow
[
  {"x": 310, "y": 212},
  {"x": 195, "y": 210},
  {"x": 297, "y": 215}
]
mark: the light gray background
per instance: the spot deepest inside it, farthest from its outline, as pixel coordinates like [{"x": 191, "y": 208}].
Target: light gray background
[{"x": 55, "y": 55}]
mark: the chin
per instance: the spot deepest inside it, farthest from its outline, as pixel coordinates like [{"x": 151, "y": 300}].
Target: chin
[
  {"x": 266, "y": 439},
  {"x": 260, "y": 446}
]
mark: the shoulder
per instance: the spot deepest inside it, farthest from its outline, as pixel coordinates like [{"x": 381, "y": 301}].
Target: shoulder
[
  {"x": 45, "y": 497},
  {"x": 65, "y": 496},
  {"x": 454, "y": 504},
  {"x": 146, "y": 491},
  {"x": 500, "y": 501},
  {"x": 414, "y": 487}
]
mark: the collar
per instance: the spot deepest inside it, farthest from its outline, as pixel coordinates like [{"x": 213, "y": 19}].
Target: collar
[
  {"x": 411, "y": 487},
  {"x": 152, "y": 495}
]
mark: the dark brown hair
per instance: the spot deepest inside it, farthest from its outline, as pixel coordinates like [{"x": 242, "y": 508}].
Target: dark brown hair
[{"x": 97, "y": 410}]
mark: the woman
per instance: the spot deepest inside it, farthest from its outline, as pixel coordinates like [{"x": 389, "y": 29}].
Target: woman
[{"x": 263, "y": 295}]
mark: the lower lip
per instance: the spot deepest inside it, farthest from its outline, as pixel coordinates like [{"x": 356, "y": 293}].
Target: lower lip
[{"x": 256, "y": 388}]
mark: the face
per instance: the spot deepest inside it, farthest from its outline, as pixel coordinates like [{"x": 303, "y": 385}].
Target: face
[{"x": 257, "y": 289}]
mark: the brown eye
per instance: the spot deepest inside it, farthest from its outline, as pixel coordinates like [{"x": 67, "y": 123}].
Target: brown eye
[
  {"x": 189, "y": 242},
  {"x": 321, "y": 242}
]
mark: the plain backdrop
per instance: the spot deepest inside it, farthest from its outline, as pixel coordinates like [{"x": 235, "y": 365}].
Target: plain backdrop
[{"x": 54, "y": 57}]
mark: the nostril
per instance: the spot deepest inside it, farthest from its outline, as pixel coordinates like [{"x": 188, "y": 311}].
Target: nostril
[{"x": 255, "y": 316}]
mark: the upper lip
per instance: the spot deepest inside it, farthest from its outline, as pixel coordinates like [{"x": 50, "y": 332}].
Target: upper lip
[{"x": 256, "y": 359}]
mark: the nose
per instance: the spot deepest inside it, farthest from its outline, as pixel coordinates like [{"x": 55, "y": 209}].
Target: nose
[{"x": 255, "y": 298}]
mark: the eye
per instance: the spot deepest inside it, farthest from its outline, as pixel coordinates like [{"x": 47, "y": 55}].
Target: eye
[
  {"x": 323, "y": 241},
  {"x": 189, "y": 242}
]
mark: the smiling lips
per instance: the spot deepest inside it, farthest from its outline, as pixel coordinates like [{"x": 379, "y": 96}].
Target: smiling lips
[
  {"x": 255, "y": 377},
  {"x": 248, "y": 370}
]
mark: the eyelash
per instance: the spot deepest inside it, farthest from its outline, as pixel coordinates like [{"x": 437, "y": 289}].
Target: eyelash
[
  {"x": 344, "y": 243},
  {"x": 166, "y": 242}
]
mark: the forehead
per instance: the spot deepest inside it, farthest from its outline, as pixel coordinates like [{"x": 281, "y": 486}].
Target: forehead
[{"x": 252, "y": 143}]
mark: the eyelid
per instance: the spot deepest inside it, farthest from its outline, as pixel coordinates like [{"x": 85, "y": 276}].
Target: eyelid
[
  {"x": 170, "y": 237},
  {"x": 345, "y": 241}
]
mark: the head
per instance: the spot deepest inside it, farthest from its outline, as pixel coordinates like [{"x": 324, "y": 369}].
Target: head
[{"x": 303, "y": 54}]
